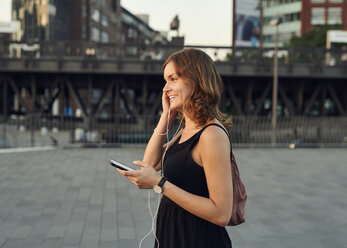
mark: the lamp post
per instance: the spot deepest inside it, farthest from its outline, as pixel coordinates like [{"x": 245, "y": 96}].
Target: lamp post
[{"x": 275, "y": 22}]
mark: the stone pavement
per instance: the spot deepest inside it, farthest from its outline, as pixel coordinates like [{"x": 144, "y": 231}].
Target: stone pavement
[{"x": 73, "y": 198}]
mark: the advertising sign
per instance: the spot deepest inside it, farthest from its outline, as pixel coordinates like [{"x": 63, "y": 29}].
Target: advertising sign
[{"x": 247, "y": 27}]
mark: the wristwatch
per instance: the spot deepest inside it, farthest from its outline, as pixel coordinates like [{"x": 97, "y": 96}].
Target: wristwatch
[{"x": 159, "y": 187}]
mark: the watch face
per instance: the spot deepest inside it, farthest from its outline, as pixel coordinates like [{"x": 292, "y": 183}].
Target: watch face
[{"x": 157, "y": 189}]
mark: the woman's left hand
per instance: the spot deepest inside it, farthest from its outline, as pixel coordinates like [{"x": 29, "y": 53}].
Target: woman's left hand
[{"x": 145, "y": 178}]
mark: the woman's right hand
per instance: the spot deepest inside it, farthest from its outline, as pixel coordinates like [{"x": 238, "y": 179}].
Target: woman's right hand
[
  {"x": 165, "y": 100},
  {"x": 166, "y": 109}
]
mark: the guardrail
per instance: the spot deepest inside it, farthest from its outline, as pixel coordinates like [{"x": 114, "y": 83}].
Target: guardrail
[
  {"x": 108, "y": 51},
  {"x": 247, "y": 131}
]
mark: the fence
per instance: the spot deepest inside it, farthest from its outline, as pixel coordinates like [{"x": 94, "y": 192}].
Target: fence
[
  {"x": 109, "y": 51},
  {"x": 248, "y": 131}
]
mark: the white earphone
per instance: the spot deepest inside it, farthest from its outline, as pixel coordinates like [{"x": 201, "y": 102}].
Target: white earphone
[{"x": 149, "y": 191}]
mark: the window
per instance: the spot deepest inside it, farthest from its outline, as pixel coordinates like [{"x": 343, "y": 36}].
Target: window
[
  {"x": 335, "y": 1},
  {"x": 317, "y": 16},
  {"x": 95, "y": 34},
  {"x": 96, "y": 15},
  {"x": 104, "y": 20},
  {"x": 334, "y": 16},
  {"x": 132, "y": 33},
  {"x": 297, "y": 16},
  {"x": 104, "y": 37},
  {"x": 317, "y": 1},
  {"x": 267, "y": 38}
]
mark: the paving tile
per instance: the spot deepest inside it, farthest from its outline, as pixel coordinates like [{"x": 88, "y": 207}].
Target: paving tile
[
  {"x": 73, "y": 198},
  {"x": 13, "y": 243}
]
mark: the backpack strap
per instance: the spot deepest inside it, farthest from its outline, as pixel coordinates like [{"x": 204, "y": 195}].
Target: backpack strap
[
  {"x": 200, "y": 132},
  {"x": 214, "y": 124}
]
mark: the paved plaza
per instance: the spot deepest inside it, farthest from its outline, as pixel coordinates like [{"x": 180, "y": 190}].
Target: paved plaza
[{"x": 73, "y": 198}]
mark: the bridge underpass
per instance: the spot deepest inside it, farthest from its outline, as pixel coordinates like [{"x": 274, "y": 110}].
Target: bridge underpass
[{"x": 90, "y": 91}]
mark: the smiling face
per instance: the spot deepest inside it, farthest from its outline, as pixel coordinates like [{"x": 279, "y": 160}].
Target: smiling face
[{"x": 177, "y": 88}]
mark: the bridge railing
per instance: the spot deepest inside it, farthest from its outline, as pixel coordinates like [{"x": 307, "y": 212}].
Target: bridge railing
[
  {"x": 112, "y": 51},
  {"x": 248, "y": 131}
]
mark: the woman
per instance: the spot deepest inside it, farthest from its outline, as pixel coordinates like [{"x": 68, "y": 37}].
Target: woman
[{"x": 197, "y": 184}]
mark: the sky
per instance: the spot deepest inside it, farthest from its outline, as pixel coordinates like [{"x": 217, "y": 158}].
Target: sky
[{"x": 202, "y": 22}]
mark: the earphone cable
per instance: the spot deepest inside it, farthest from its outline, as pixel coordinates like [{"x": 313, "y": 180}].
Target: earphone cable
[{"x": 160, "y": 195}]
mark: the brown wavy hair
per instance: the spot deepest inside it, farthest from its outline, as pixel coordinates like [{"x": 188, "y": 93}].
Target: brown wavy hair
[{"x": 199, "y": 70}]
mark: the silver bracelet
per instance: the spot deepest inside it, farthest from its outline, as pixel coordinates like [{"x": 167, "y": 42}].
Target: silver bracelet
[{"x": 162, "y": 134}]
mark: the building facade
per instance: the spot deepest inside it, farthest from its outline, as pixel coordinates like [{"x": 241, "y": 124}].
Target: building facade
[
  {"x": 42, "y": 19},
  {"x": 299, "y": 16},
  {"x": 289, "y": 12},
  {"x": 95, "y": 20},
  {"x": 61, "y": 20},
  {"x": 100, "y": 21},
  {"x": 135, "y": 30},
  {"x": 318, "y": 12}
]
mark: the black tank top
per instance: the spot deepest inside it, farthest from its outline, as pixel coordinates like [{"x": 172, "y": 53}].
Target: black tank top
[{"x": 180, "y": 168}]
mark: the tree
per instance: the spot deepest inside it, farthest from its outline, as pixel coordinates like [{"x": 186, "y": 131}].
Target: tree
[{"x": 313, "y": 38}]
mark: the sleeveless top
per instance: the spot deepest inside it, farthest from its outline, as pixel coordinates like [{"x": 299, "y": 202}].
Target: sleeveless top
[{"x": 176, "y": 227}]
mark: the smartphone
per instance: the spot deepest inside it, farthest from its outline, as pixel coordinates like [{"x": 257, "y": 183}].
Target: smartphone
[{"x": 120, "y": 165}]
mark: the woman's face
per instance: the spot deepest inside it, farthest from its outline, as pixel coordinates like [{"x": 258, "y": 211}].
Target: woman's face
[{"x": 177, "y": 89}]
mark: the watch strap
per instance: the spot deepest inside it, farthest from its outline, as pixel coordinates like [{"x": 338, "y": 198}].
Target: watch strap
[{"x": 162, "y": 181}]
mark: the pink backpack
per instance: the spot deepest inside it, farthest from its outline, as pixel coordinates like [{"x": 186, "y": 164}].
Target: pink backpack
[{"x": 239, "y": 196}]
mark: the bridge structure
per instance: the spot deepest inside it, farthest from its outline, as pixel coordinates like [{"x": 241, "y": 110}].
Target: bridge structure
[{"x": 92, "y": 83}]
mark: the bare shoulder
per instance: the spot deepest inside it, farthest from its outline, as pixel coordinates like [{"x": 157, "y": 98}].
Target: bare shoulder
[{"x": 214, "y": 137}]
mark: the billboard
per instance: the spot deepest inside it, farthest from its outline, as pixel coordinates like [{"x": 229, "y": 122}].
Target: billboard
[{"x": 247, "y": 23}]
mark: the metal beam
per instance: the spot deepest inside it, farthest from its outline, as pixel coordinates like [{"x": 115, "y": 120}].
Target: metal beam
[
  {"x": 126, "y": 104},
  {"x": 129, "y": 100},
  {"x": 261, "y": 100},
  {"x": 144, "y": 94},
  {"x": 248, "y": 97},
  {"x": 62, "y": 97},
  {"x": 75, "y": 95},
  {"x": 235, "y": 100},
  {"x": 90, "y": 95},
  {"x": 156, "y": 103},
  {"x": 323, "y": 97},
  {"x": 50, "y": 102},
  {"x": 286, "y": 100},
  {"x": 13, "y": 84},
  {"x": 103, "y": 98},
  {"x": 17, "y": 91},
  {"x": 116, "y": 99},
  {"x": 52, "y": 96},
  {"x": 33, "y": 94},
  {"x": 336, "y": 100},
  {"x": 313, "y": 97},
  {"x": 32, "y": 91},
  {"x": 299, "y": 98},
  {"x": 4, "y": 100}
]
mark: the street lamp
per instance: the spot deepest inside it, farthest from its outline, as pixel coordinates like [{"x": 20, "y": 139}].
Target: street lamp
[{"x": 274, "y": 22}]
